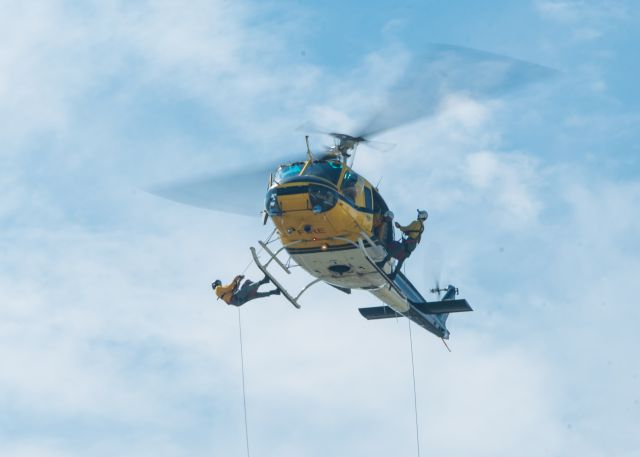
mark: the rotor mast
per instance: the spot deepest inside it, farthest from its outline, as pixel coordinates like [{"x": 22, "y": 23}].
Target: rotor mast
[{"x": 344, "y": 148}]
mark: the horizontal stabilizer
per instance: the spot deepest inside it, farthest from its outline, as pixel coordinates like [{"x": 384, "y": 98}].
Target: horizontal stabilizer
[
  {"x": 378, "y": 312},
  {"x": 444, "y": 306},
  {"x": 341, "y": 289}
]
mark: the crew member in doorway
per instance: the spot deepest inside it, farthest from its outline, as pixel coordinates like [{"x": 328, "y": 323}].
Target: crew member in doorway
[
  {"x": 236, "y": 295},
  {"x": 383, "y": 227},
  {"x": 412, "y": 235}
]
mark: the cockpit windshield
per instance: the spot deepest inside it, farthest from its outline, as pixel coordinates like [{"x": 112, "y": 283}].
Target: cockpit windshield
[
  {"x": 329, "y": 170},
  {"x": 286, "y": 172}
]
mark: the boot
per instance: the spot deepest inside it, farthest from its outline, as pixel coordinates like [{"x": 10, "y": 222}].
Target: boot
[{"x": 383, "y": 261}]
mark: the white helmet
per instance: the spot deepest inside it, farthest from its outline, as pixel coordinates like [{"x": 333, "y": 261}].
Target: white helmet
[
  {"x": 389, "y": 214},
  {"x": 422, "y": 215}
]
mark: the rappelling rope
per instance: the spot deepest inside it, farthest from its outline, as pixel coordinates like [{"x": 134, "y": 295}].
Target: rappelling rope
[
  {"x": 415, "y": 397},
  {"x": 259, "y": 252},
  {"x": 244, "y": 396}
]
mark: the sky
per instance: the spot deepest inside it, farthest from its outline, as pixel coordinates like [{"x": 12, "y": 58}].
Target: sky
[{"x": 111, "y": 340}]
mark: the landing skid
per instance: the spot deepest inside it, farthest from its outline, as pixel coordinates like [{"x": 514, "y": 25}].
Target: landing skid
[{"x": 275, "y": 282}]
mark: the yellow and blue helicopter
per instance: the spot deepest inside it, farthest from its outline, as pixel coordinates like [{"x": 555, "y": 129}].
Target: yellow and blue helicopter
[{"x": 329, "y": 219}]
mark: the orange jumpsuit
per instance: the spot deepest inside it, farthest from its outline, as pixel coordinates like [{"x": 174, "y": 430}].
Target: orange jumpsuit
[{"x": 226, "y": 292}]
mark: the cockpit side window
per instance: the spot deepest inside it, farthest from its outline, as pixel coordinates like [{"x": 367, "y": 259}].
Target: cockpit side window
[
  {"x": 353, "y": 187},
  {"x": 285, "y": 172}
]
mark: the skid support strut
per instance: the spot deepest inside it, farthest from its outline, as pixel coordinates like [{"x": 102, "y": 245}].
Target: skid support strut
[
  {"x": 263, "y": 268},
  {"x": 285, "y": 292}
]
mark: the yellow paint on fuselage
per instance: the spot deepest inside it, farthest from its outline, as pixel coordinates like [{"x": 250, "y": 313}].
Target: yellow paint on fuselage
[{"x": 298, "y": 223}]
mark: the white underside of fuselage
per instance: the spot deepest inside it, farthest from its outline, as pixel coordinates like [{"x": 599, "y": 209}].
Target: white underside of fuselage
[{"x": 331, "y": 267}]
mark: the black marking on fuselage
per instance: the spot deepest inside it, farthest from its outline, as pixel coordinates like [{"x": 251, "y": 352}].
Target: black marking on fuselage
[
  {"x": 292, "y": 190},
  {"x": 339, "y": 247}
]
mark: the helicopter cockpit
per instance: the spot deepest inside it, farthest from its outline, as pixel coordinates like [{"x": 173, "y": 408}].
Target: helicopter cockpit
[
  {"x": 324, "y": 184},
  {"x": 326, "y": 170},
  {"x": 321, "y": 176}
]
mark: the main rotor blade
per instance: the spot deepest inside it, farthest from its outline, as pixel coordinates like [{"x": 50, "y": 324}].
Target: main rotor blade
[
  {"x": 380, "y": 145},
  {"x": 238, "y": 192},
  {"x": 310, "y": 127},
  {"x": 445, "y": 69}
]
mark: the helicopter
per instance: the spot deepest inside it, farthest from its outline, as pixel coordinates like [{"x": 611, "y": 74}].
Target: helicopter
[{"x": 329, "y": 219}]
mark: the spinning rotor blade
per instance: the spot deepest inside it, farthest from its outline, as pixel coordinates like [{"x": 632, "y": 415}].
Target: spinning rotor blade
[
  {"x": 239, "y": 191},
  {"x": 446, "y": 69},
  {"x": 436, "y": 289},
  {"x": 381, "y": 146},
  {"x": 426, "y": 80},
  {"x": 309, "y": 127},
  {"x": 440, "y": 71}
]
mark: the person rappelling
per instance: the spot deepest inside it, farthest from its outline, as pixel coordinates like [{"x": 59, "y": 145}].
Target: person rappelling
[
  {"x": 236, "y": 295},
  {"x": 411, "y": 236}
]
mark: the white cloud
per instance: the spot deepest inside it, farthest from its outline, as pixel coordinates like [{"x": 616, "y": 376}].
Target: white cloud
[
  {"x": 123, "y": 328},
  {"x": 57, "y": 58},
  {"x": 119, "y": 291},
  {"x": 30, "y": 449},
  {"x": 588, "y": 20},
  {"x": 508, "y": 182},
  {"x": 580, "y": 10},
  {"x": 109, "y": 330}
]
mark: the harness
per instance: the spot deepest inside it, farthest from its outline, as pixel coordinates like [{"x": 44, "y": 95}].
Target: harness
[
  {"x": 232, "y": 292},
  {"x": 224, "y": 296},
  {"x": 417, "y": 238}
]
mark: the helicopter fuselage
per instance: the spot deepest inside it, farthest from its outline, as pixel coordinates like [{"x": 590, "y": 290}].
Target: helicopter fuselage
[
  {"x": 320, "y": 210},
  {"x": 330, "y": 221}
]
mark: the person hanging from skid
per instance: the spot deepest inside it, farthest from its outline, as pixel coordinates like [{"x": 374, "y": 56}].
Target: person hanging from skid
[
  {"x": 401, "y": 250},
  {"x": 236, "y": 295}
]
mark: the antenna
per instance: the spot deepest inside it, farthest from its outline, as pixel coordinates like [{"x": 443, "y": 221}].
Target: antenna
[
  {"x": 309, "y": 155},
  {"x": 353, "y": 156}
]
